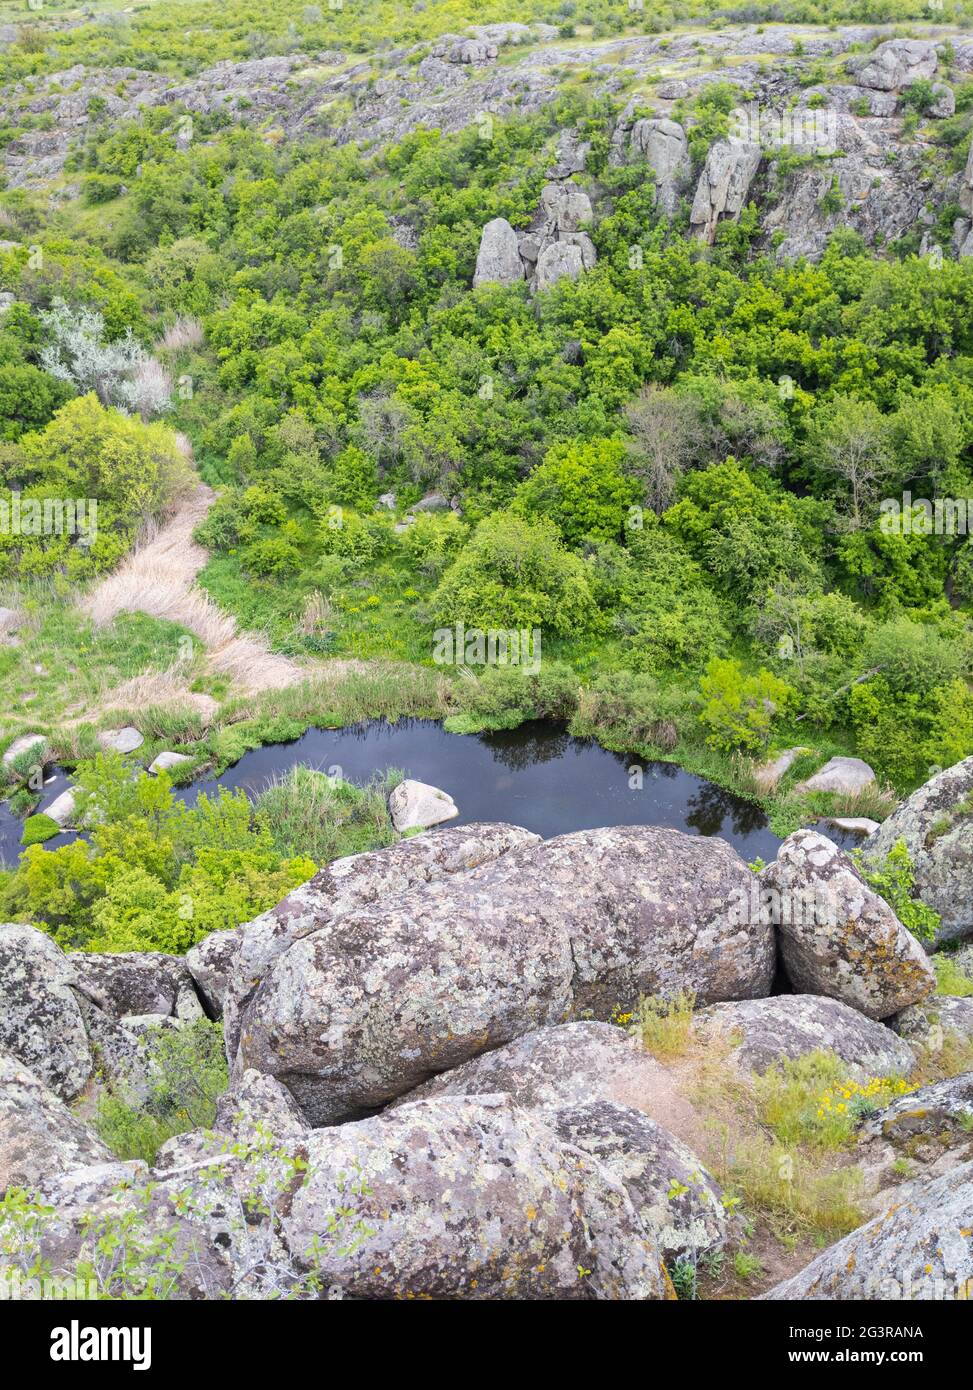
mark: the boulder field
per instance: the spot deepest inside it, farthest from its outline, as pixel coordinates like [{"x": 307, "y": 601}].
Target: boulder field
[{"x": 434, "y": 1090}]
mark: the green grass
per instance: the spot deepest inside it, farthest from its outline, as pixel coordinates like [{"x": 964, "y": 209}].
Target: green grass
[
  {"x": 950, "y": 978},
  {"x": 309, "y": 813},
  {"x": 61, "y": 663},
  {"x": 189, "y": 1073}
]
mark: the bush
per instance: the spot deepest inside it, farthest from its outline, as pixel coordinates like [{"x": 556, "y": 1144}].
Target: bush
[
  {"x": 895, "y": 881},
  {"x": 309, "y": 814},
  {"x": 157, "y": 875},
  {"x": 739, "y": 711},
  {"x": 504, "y": 697},
  {"x": 188, "y": 1073},
  {"x": 515, "y": 573}
]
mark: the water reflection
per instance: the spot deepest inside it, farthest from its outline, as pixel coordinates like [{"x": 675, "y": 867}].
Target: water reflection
[{"x": 537, "y": 776}]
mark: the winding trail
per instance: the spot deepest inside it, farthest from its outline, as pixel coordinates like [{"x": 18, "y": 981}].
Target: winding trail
[{"x": 159, "y": 578}]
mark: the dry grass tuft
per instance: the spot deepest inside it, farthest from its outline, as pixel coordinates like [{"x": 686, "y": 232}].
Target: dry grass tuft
[
  {"x": 158, "y": 578},
  {"x": 186, "y": 332}
]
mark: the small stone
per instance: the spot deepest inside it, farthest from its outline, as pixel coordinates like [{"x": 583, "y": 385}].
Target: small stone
[
  {"x": 843, "y": 775},
  {"x": 416, "y": 806},
  {"x": 164, "y": 761},
  {"x": 121, "y": 740}
]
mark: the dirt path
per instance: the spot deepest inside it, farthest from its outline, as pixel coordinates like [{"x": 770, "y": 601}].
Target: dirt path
[{"x": 159, "y": 578}]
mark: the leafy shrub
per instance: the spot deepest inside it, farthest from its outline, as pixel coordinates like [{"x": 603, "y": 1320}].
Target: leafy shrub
[
  {"x": 739, "y": 711},
  {"x": 157, "y": 875},
  {"x": 515, "y": 573},
  {"x": 187, "y": 1073},
  {"x": 895, "y": 881},
  {"x": 504, "y": 697}
]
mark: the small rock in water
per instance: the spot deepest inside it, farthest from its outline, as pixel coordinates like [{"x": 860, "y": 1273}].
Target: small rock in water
[
  {"x": 858, "y": 825},
  {"x": 22, "y": 745},
  {"x": 164, "y": 761},
  {"x": 416, "y": 806},
  {"x": 62, "y": 809},
  {"x": 121, "y": 740}
]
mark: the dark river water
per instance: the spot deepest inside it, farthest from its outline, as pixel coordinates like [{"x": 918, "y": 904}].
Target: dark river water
[{"x": 536, "y": 776}]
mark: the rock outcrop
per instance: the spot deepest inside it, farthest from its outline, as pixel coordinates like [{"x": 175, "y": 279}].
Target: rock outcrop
[
  {"x": 921, "y": 1247},
  {"x": 787, "y": 1026},
  {"x": 498, "y": 259},
  {"x": 677, "y": 1201},
  {"x": 41, "y": 1023},
  {"x": 583, "y": 923},
  {"x": 936, "y": 824},
  {"x": 723, "y": 186},
  {"x": 838, "y": 937},
  {"x": 39, "y": 1136}
]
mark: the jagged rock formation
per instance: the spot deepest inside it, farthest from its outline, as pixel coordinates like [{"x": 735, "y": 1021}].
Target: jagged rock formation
[
  {"x": 554, "y": 246},
  {"x": 837, "y": 937},
  {"x": 895, "y": 64},
  {"x": 885, "y": 181},
  {"x": 663, "y": 144},
  {"x": 936, "y": 823},
  {"x": 723, "y": 185}
]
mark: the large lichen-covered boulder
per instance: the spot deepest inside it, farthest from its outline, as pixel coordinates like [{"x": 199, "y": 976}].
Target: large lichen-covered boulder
[
  {"x": 39, "y": 1136},
  {"x": 895, "y": 64},
  {"x": 723, "y": 185},
  {"x": 764, "y": 1032},
  {"x": 567, "y": 1064},
  {"x": 920, "y": 1247},
  {"x": 936, "y": 823},
  {"x": 665, "y": 146},
  {"x": 472, "y": 1199},
  {"x": 138, "y": 982},
  {"x": 498, "y": 259},
  {"x": 676, "y": 1199},
  {"x": 377, "y": 1000},
  {"x": 228, "y": 965},
  {"x": 926, "y": 1123},
  {"x": 40, "y": 1016},
  {"x": 593, "y": 1081},
  {"x": 837, "y": 936}
]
